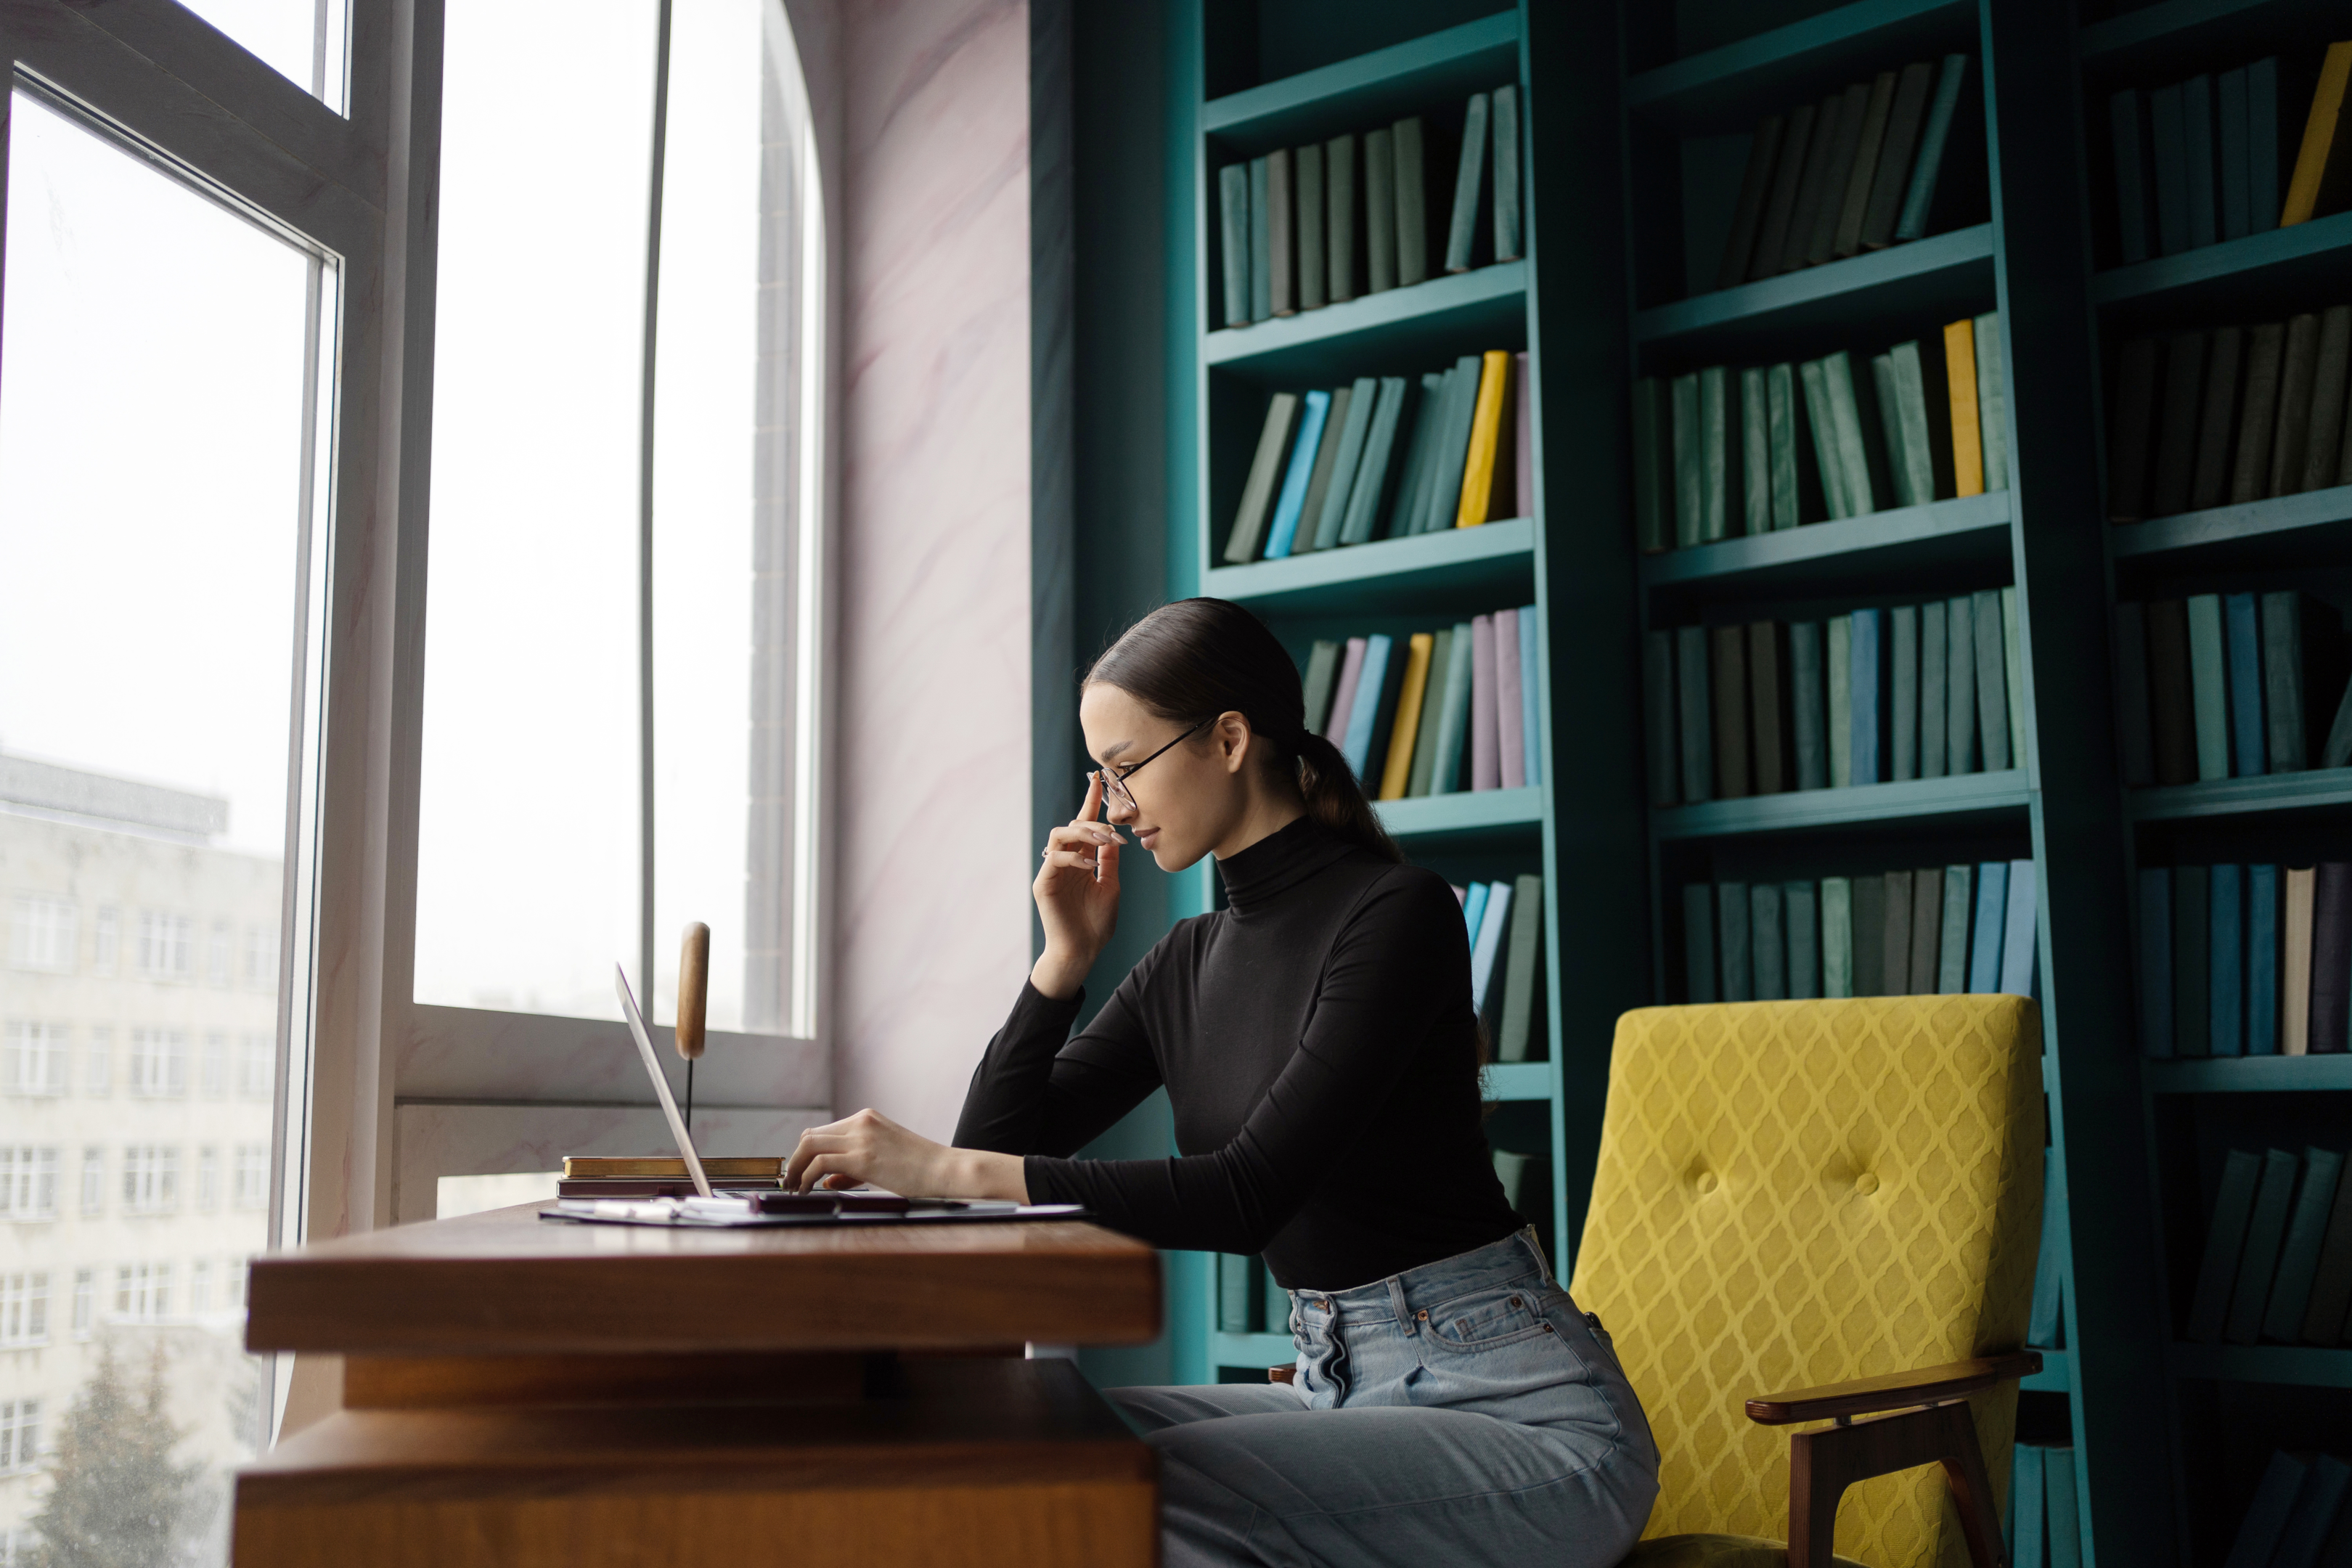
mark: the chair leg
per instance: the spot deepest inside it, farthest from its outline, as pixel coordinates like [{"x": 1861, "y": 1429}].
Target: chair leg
[{"x": 1824, "y": 1463}]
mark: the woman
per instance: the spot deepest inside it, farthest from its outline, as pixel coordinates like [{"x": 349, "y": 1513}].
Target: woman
[{"x": 1317, "y": 1041}]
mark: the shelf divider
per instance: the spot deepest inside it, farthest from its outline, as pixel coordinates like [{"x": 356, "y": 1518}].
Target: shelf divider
[
  {"x": 1408, "y": 322},
  {"x": 2310, "y": 1366},
  {"x": 1359, "y": 94},
  {"x": 2232, "y": 798},
  {"x": 2251, "y": 1075},
  {"x": 1466, "y": 811},
  {"x": 1865, "y": 543},
  {"x": 1388, "y": 571},
  {"x": 1817, "y": 808},
  {"x": 1949, "y": 270}
]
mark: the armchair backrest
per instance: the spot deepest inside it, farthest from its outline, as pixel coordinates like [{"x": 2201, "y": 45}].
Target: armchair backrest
[{"x": 1791, "y": 1194}]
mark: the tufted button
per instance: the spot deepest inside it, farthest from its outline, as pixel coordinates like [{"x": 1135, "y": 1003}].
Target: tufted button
[
  {"x": 1866, "y": 1184},
  {"x": 1706, "y": 1183}
]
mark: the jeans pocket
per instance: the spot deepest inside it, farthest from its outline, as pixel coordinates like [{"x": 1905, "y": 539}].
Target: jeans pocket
[{"x": 1488, "y": 1318}]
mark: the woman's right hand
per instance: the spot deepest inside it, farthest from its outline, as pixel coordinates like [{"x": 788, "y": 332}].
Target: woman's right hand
[{"x": 1077, "y": 897}]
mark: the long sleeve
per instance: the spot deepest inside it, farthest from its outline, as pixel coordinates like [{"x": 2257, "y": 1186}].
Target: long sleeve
[{"x": 1039, "y": 1090}]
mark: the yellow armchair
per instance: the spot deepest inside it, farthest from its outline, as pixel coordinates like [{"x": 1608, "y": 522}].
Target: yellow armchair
[{"x": 1842, "y": 1197}]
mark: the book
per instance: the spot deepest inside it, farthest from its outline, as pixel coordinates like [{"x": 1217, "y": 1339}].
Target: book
[
  {"x": 2209, "y": 680},
  {"x": 2026, "y": 1487},
  {"x": 2302, "y": 656},
  {"x": 1935, "y": 679},
  {"x": 1365, "y": 711},
  {"x": 2131, "y": 431},
  {"x": 2325, "y": 434},
  {"x": 1411, "y": 203},
  {"x": 1492, "y": 922},
  {"x": 670, "y": 1167},
  {"x": 2171, "y": 709},
  {"x": 1862, "y": 178},
  {"x": 1348, "y": 459},
  {"x": 2262, "y": 981},
  {"x": 2323, "y": 168},
  {"x": 1808, "y": 722},
  {"x": 1780, "y": 411},
  {"x": 2250, "y": 474},
  {"x": 1369, "y": 487},
  {"x": 1992, "y": 401},
  {"x": 2241, "y": 633},
  {"x": 2042, "y": 1323},
  {"x": 1531, "y": 693},
  {"x": 1747, "y": 215},
  {"x": 1413, "y": 483},
  {"x": 1814, "y": 379},
  {"x": 2225, "y": 1241},
  {"x": 2156, "y": 961},
  {"x": 1261, "y": 239},
  {"x": 2331, "y": 1283},
  {"x": 1522, "y": 970},
  {"x": 2256, "y": 1542},
  {"x": 2136, "y": 739},
  {"x": 2169, "y": 143},
  {"x": 1992, "y": 682},
  {"x": 1800, "y": 927},
  {"x": 1961, "y": 394},
  {"x": 1449, "y": 457},
  {"x": 2197, "y": 155},
  {"x": 1315, "y": 407},
  {"x": 2315, "y": 1522},
  {"x": 1308, "y": 232},
  {"x": 1728, "y": 682},
  {"x": 1853, "y": 453},
  {"x": 1767, "y": 725},
  {"x": 2265, "y": 1231},
  {"x": 2231, "y": 161},
  {"x": 1755, "y": 452},
  {"x": 1890, "y": 428},
  {"x": 2338, "y": 751},
  {"x": 1925, "y": 466},
  {"x": 1905, "y": 118},
  {"x": 1523, "y": 440},
  {"x": 1699, "y": 942},
  {"x": 1853, "y": 125},
  {"x": 1281, "y": 214},
  {"x": 1265, "y": 469},
  {"x": 1322, "y": 675},
  {"x": 2192, "y": 926},
  {"x": 1510, "y": 738},
  {"x": 1508, "y": 246},
  {"x": 2262, "y": 144},
  {"x": 1379, "y": 212},
  {"x": 1894, "y": 936},
  {"x": 1985, "y": 948},
  {"x": 1339, "y": 218},
  {"x": 2291, "y": 440},
  {"x": 2061, "y": 1506},
  {"x": 2331, "y": 956},
  {"x": 1397, "y": 771},
  {"x": 1903, "y": 699},
  {"x": 1233, "y": 237},
  {"x": 1919, "y": 196},
  {"x": 1768, "y": 962},
  {"x": 1453, "y": 716},
  {"x": 1689, "y": 462},
  {"x": 1488, "y": 410},
  {"x": 1821, "y": 153},
  {"x": 2210, "y": 482},
  {"x": 1837, "y": 663},
  {"x": 2124, "y": 139},
  {"x": 1485, "y": 724},
  {"x": 2176, "y": 446},
  {"x": 1469, "y": 177},
  {"x": 1442, "y": 654},
  {"x": 2017, "y": 950},
  {"x": 2306, "y": 1229},
  {"x": 1318, "y": 478},
  {"x": 1780, "y": 207},
  {"x": 1654, "y": 466},
  {"x": 1474, "y": 908},
  {"x": 1837, "y": 937},
  {"x": 1863, "y": 696},
  {"x": 1733, "y": 949},
  {"x": 2225, "y": 960},
  {"x": 1697, "y": 726},
  {"x": 1952, "y": 939},
  {"x": 1960, "y": 755},
  {"x": 1924, "y": 965},
  {"x": 1343, "y": 698}
]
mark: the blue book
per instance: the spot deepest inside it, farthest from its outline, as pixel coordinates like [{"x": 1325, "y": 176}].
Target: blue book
[
  {"x": 2241, "y": 633},
  {"x": 1862, "y": 691},
  {"x": 1474, "y": 908},
  {"x": 1488, "y": 941},
  {"x": 2261, "y": 960},
  {"x": 1921, "y": 195},
  {"x": 1992, "y": 901},
  {"x": 2025, "y": 1508},
  {"x": 2044, "y": 1324},
  {"x": 2062, "y": 1509},
  {"x": 2226, "y": 963},
  {"x": 1530, "y": 706},
  {"x": 1366, "y": 709},
  {"x": 1315, "y": 409},
  {"x": 1731, "y": 942},
  {"x": 2156, "y": 961},
  {"x": 1698, "y": 942},
  {"x": 2317, "y": 1503},
  {"x": 2299, "y": 1259},
  {"x": 1801, "y": 924},
  {"x": 2266, "y": 1516},
  {"x": 2018, "y": 947}
]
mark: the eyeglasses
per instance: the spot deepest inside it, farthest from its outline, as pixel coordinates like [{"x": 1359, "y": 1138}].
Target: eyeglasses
[{"x": 1114, "y": 795}]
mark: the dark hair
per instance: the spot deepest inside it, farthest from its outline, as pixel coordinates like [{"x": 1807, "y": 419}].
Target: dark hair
[{"x": 1191, "y": 660}]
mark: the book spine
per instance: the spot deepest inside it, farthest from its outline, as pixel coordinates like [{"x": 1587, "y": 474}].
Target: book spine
[
  {"x": 2234, "y": 160},
  {"x": 1838, "y": 665},
  {"x": 2192, "y": 976},
  {"x": 1992, "y": 401},
  {"x": 1853, "y": 456},
  {"x": 1853, "y": 209},
  {"x": 1960, "y": 755},
  {"x": 1411, "y": 203},
  {"x": 2242, "y": 632},
  {"x": 1492, "y": 922},
  {"x": 2261, "y": 960},
  {"x": 1281, "y": 211},
  {"x": 1780, "y": 432},
  {"x": 1768, "y": 965},
  {"x": 1820, "y": 154},
  {"x": 2225, "y": 1240},
  {"x": 1755, "y": 190},
  {"x": 1337, "y": 416},
  {"x": 2297, "y": 370},
  {"x": 1754, "y": 453},
  {"x": 1853, "y": 115},
  {"x": 1960, "y": 389},
  {"x": 2156, "y": 1036},
  {"x": 1508, "y": 246},
  {"x": 1413, "y": 484},
  {"x": 1397, "y": 769},
  {"x": 1449, "y": 458},
  {"x": 1690, "y": 493},
  {"x": 2265, "y": 1230},
  {"x": 1808, "y": 722},
  {"x": 1893, "y": 172},
  {"x": 1903, "y": 701},
  {"x": 1510, "y": 742},
  {"x": 2171, "y": 710},
  {"x": 1654, "y": 466},
  {"x": 1911, "y": 406},
  {"x": 1826, "y": 462},
  {"x": 1372, "y": 692},
  {"x": 1952, "y": 948},
  {"x": 2224, "y": 360},
  {"x": 1441, "y": 655},
  {"x": 1343, "y": 699},
  {"x": 1523, "y": 440},
  {"x": 2250, "y": 475},
  {"x": 1454, "y": 718},
  {"x": 2283, "y": 645},
  {"x": 1993, "y": 683},
  {"x": 2295, "y": 961},
  {"x": 2318, "y": 164},
  {"x": 2131, "y": 178},
  {"x": 2299, "y": 1258},
  {"x": 1355, "y": 431},
  {"x": 1234, "y": 252},
  {"x": 1780, "y": 207},
  {"x": 1728, "y": 683},
  {"x": 1920, "y": 198},
  {"x": 2012, "y": 665},
  {"x": 2331, "y": 1285},
  {"x": 1992, "y": 906},
  {"x": 1530, "y": 694},
  {"x": 1315, "y": 408},
  {"x": 1523, "y": 964},
  {"x": 1837, "y": 937},
  {"x": 2208, "y": 672},
  {"x": 1469, "y": 176},
  {"x": 1863, "y": 695},
  {"x": 1717, "y": 453},
  {"x": 1308, "y": 231},
  {"x": 1868, "y": 896},
  {"x": 1927, "y": 930},
  {"x": 1733, "y": 946},
  {"x": 1766, "y": 722},
  {"x": 1339, "y": 217},
  {"x": 1697, "y": 714},
  {"x": 1369, "y": 490},
  {"x": 1485, "y": 440},
  {"x": 1266, "y": 468},
  {"x": 1934, "y": 678},
  {"x": 2225, "y": 962},
  {"x": 1379, "y": 212},
  {"x": 1261, "y": 236},
  {"x": 1486, "y": 752},
  {"x": 2168, "y": 140},
  {"x": 2176, "y": 448},
  {"x": 2325, "y": 434},
  {"x": 1800, "y": 926},
  {"x": 1699, "y": 942},
  {"x": 2197, "y": 151},
  {"x": 1890, "y": 428},
  {"x": 1894, "y": 961},
  {"x": 1322, "y": 674}
]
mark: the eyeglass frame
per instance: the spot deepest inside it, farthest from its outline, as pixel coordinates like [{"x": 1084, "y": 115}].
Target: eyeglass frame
[{"x": 1117, "y": 780}]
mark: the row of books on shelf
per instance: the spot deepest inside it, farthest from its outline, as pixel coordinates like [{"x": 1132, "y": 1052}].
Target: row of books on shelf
[
  {"x": 2219, "y": 686},
  {"x": 1385, "y": 457},
  {"x": 1721, "y": 452},
  {"x": 2245, "y": 960},
  {"x": 1507, "y": 966},
  {"x": 2298, "y": 1518},
  {"x": 2278, "y": 1252},
  {"x": 1291, "y": 221},
  {"x": 1857, "y": 172},
  {"x": 2043, "y": 1521},
  {"x": 2246, "y": 413},
  {"x": 1873, "y": 696},
  {"x": 1437, "y": 711},
  {"x": 1943, "y": 930},
  {"x": 2197, "y": 162}
]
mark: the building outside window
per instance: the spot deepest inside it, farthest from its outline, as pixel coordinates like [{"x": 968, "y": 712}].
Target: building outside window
[
  {"x": 159, "y": 1064},
  {"x": 20, "y": 1433},
  {"x": 166, "y": 945},
  {"x": 28, "y": 1182},
  {"x": 106, "y": 941},
  {"x": 200, "y": 1286},
  {"x": 98, "y": 1063},
  {"x": 32, "y": 1058},
  {"x": 142, "y": 1292},
  {"x": 85, "y": 1302},
  {"x": 93, "y": 1182},
  {"x": 216, "y": 955},
  {"x": 253, "y": 1175},
  {"x": 208, "y": 1178},
  {"x": 256, "y": 1066},
  {"x": 151, "y": 1178},
  {"x": 261, "y": 957},
  {"x": 41, "y": 934},
  {"x": 23, "y": 1309},
  {"x": 215, "y": 1069}
]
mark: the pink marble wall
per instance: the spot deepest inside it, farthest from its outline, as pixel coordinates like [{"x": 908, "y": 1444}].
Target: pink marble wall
[{"x": 932, "y": 861}]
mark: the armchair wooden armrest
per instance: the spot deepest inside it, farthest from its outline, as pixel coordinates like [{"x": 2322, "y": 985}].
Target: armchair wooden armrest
[{"x": 1824, "y": 1463}]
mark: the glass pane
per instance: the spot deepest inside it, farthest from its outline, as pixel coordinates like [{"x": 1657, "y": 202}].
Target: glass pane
[
  {"x": 526, "y": 856},
  {"x": 302, "y": 40},
  {"x": 152, "y": 485}
]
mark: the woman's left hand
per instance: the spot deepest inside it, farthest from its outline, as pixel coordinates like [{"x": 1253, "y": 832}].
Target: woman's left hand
[{"x": 871, "y": 1148}]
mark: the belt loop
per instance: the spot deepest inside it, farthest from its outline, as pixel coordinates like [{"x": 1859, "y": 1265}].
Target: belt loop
[{"x": 1399, "y": 1305}]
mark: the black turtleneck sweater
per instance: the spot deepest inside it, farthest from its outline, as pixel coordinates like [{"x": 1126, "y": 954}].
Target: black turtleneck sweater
[{"x": 1319, "y": 1051}]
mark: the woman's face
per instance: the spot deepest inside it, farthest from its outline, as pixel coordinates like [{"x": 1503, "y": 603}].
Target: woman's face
[{"x": 1190, "y": 797}]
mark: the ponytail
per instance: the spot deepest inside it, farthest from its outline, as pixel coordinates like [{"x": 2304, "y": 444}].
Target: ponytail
[{"x": 1191, "y": 660}]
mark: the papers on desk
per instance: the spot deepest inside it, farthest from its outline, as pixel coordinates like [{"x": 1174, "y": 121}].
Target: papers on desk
[{"x": 732, "y": 1211}]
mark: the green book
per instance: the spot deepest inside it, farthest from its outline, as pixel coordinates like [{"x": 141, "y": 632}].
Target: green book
[
  {"x": 1432, "y": 703},
  {"x": 1718, "y": 454},
  {"x": 1903, "y": 702},
  {"x": 1852, "y": 448},
  {"x": 2014, "y": 672},
  {"x": 1233, "y": 211},
  {"x": 2042, "y": 1321},
  {"x": 1412, "y": 485},
  {"x": 1355, "y": 428},
  {"x": 1934, "y": 683},
  {"x": 2209, "y": 676},
  {"x": 1824, "y": 428},
  {"x": 1952, "y": 941},
  {"x": 1867, "y": 899},
  {"x": 1731, "y": 943},
  {"x": 1454, "y": 718},
  {"x": 1890, "y": 427},
  {"x": 1453, "y": 448},
  {"x": 1960, "y": 754},
  {"x": 1992, "y": 682},
  {"x": 2299, "y": 1258},
  {"x": 1524, "y": 965},
  {"x": 1841, "y": 715},
  {"x": 1781, "y": 435},
  {"x": 1508, "y": 242},
  {"x": 1412, "y": 206},
  {"x": 2192, "y": 972},
  {"x": 1654, "y": 467},
  {"x": 1690, "y": 485},
  {"x": 1339, "y": 214},
  {"x": 1837, "y": 937},
  {"x": 1920, "y": 479},
  {"x": 1306, "y": 234},
  {"x": 1326, "y": 464},
  {"x": 2265, "y": 1233},
  {"x": 1322, "y": 669},
  {"x": 1379, "y": 211},
  {"x": 1993, "y": 402},
  {"x": 1265, "y": 472},
  {"x": 1371, "y": 485},
  {"x": 1800, "y": 926},
  {"x": 1698, "y": 942},
  {"x": 1469, "y": 176}
]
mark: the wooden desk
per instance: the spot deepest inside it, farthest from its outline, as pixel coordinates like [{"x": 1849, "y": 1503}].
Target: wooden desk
[{"x": 522, "y": 1393}]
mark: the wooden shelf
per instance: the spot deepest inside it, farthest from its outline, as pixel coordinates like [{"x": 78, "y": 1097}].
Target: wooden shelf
[
  {"x": 1385, "y": 333},
  {"x": 1730, "y": 87},
  {"x": 2057, "y": 1373},
  {"x": 1369, "y": 90},
  {"x": 2178, "y": 36},
  {"x": 1427, "y": 572},
  {"x": 1482, "y": 812},
  {"x": 2232, "y": 797},
  {"x": 2311, "y": 1367},
  {"x": 1251, "y": 1351},
  {"x": 2279, "y": 270},
  {"x": 2311, "y": 528},
  {"x": 1517, "y": 1081},
  {"x": 1837, "y": 305},
  {"x": 1968, "y": 795},
  {"x": 1879, "y": 549},
  {"x": 2251, "y": 1075}
]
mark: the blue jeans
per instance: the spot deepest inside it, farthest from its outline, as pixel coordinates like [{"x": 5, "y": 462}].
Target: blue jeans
[{"x": 1461, "y": 1413}]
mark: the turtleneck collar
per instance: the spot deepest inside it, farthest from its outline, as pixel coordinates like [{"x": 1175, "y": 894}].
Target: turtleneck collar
[{"x": 1278, "y": 862}]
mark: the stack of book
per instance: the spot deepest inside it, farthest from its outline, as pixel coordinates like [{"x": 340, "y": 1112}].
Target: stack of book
[
  {"x": 2221, "y": 686},
  {"x": 1385, "y": 457},
  {"x": 1296, "y": 221},
  {"x": 2199, "y": 162},
  {"x": 1507, "y": 966},
  {"x": 2044, "y": 1524},
  {"x": 2245, "y": 960},
  {"x": 1440, "y": 711},
  {"x": 1917, "y": 691},
  {"x": 1938, "y": 931},
  {"x": 1857, "y": 172},
  {"x": 1248, "y": 1300},
  {"x": 2298, "y": 1518},
  {"x": 2278, "y": 1252},
  {"x": 1726, "y": 451},
  {"x": 2245, "y": 413}
]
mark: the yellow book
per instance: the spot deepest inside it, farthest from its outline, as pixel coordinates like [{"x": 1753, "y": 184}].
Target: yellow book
[
  {"x": 1960, "y": 374},
  {"x": 1399, "y": 768},
  {"x": 669, "y": 1165},
  {"x": 2324, "y": 168},
  {"x": 1485, "y": 437}
]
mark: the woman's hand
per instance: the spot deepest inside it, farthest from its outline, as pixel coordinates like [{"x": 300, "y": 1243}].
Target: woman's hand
[
  {"x": 870, "y": 1147},
  {"x": 1077, "y": 897}
]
